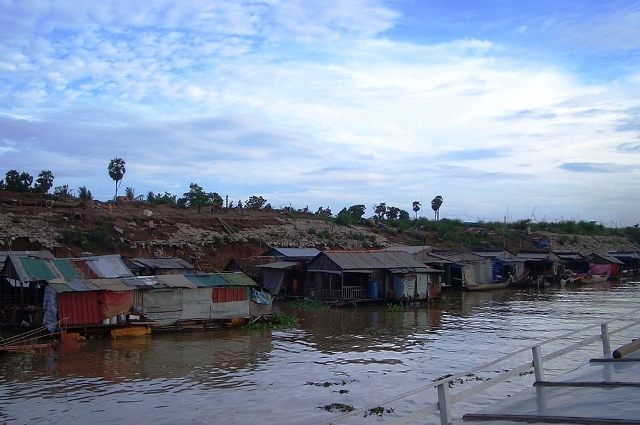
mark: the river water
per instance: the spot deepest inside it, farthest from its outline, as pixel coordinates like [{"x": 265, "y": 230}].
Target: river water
[{"x": 360, "y": 357}]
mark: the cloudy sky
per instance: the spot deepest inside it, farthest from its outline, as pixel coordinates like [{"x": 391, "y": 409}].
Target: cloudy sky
[{"x": 504, "y": 108}]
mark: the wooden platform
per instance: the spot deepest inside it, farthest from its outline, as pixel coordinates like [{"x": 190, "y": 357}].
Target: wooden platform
[{"x": 604, "y": 391}]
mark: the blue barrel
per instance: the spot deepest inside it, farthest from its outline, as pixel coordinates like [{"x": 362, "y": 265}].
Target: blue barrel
[{"x": 373, "y": 289}]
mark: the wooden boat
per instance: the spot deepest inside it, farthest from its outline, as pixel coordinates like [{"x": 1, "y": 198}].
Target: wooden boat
[
  {"x": 597, "y": 278},
  {"x": 572, "y": 278},
  {"x": 486, "y": 286},
  {"x": 522, "y": 281}
]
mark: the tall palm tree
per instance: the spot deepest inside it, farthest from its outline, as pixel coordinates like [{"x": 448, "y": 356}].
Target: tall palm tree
[
  {"x": 436, "y": 203},
  {"x": 416, "y": 208},
  {"x": 116, "y": 172}
]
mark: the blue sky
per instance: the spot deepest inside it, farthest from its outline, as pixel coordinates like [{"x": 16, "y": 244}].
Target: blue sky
[{"x": 504, "y": 108}]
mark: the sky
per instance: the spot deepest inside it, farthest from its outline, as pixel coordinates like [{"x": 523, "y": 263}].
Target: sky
[{"x": 509, "y": 110}]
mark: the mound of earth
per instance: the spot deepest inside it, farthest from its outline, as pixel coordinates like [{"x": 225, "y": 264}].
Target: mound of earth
[{"x": 70, "y": 228}]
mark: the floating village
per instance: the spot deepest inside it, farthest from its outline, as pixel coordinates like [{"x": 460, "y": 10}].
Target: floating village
[
  {"x": 50, "y": 300},
  {"x": 115, "y": 296}
]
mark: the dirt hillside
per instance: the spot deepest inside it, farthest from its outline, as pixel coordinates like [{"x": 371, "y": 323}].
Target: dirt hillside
[{"x": 70, "y": 228}]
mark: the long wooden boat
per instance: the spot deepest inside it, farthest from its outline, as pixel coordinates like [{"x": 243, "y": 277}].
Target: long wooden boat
[
  {"x": 486, "y": 286},
  {"x": 597, "y": 278}
]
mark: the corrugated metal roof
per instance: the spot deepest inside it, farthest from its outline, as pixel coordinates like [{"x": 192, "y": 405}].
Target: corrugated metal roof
[
  {"x": 411, "y": 249},
  {"x": 374, "y": 260},
  {"x": 61, "y": 287},
  {"x": 31, "y": 254},
  {"x": 29, "y": 269},
  {"x": 627, "y": 255},
  {"x": 163, "y": 263},
  {"x": 278, "y": 265},
  {"x": 108, "y": 266},
  {"x": 532, "y": 256},
  {"x": 111, "y": 285},
  {"x": 606, "y": 257},
  {"x": 293, "y": 252},
  {"x": 213, "y": 280},
  {"x": 238, "y": 279},
  {"x": 66, "y": 269},
  {"x": 176, "y": 281},
  {"x": 207, "y": 281},
  {"x": 83, "y": 286},
  {"x": 569, "y": 255},
  {"x": 142, "y": 281},
  {"x": 405, "y": 270}
]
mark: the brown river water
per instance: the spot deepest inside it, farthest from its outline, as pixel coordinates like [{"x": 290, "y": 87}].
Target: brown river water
[{"x": 359, "y": 357}]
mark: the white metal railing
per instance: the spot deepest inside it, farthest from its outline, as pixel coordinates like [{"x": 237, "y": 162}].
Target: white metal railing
[{"x": 446, "y": 399}]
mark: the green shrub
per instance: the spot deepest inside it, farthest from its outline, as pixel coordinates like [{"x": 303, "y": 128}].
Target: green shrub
[
  {"x": 309, "y": 305},
  {"x": 276, "y": 322}
]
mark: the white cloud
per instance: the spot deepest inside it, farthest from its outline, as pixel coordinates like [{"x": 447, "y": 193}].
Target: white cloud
[{"x": 306, "y": 103}]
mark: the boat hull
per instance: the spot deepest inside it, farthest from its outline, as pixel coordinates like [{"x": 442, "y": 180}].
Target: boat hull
[{"x": 486, "y": 286}]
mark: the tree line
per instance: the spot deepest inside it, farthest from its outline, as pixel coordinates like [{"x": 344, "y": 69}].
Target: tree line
[{"x": 197, "y": 197}]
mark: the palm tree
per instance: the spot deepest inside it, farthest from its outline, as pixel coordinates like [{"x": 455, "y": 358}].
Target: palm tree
[
  {"x": 84, "y": 193},
  {"x": 436, "y": 203},
  {"x": 130, "y": 193},
  {"x": 416, "y": 208},
  {"x": 116, "y": 172},
  {"x": 44, "y": 182}
]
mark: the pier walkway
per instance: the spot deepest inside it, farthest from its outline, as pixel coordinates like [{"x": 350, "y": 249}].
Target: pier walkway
[{"x": 606, "y": 390}]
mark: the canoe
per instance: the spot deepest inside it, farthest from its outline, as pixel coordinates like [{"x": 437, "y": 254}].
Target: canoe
[
  {"x": 486, "y": 286},
  {"x": 598, "y": 278}
]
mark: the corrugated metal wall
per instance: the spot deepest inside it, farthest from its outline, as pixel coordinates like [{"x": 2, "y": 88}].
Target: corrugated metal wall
[
  {"x": 227, "y": 294},
  {"x": 80, "y": 307}
]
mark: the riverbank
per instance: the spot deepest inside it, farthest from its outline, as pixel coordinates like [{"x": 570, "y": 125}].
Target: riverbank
[{"x": 69, "y": 228}]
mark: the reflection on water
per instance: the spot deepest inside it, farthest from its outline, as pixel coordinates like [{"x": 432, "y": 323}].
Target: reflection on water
[{"x": 359, "y": 357}]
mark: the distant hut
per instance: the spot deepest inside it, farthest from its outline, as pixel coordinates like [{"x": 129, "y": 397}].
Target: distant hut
[
  {"x": 600, "y": 263},
  {"x": 371, "y": 275}
]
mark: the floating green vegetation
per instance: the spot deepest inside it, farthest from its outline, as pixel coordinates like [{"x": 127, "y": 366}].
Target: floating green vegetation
[
  {"x": 379, "y": 411},
  {"x": 275, "y": 322},
  {"x": 328, "y": 384},
  {"x": 395, "y": 308},
  {"x": 337, "y": 407},
  {"x": 467, "y": 378},
  {"x": 309, "y": 305},
  {"x": 443, "y": 301}
]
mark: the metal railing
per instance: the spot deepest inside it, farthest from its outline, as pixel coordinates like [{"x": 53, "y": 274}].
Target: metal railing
[
  {"x": 446, "y": 399},
  {"x": 346, "y": 293}
]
